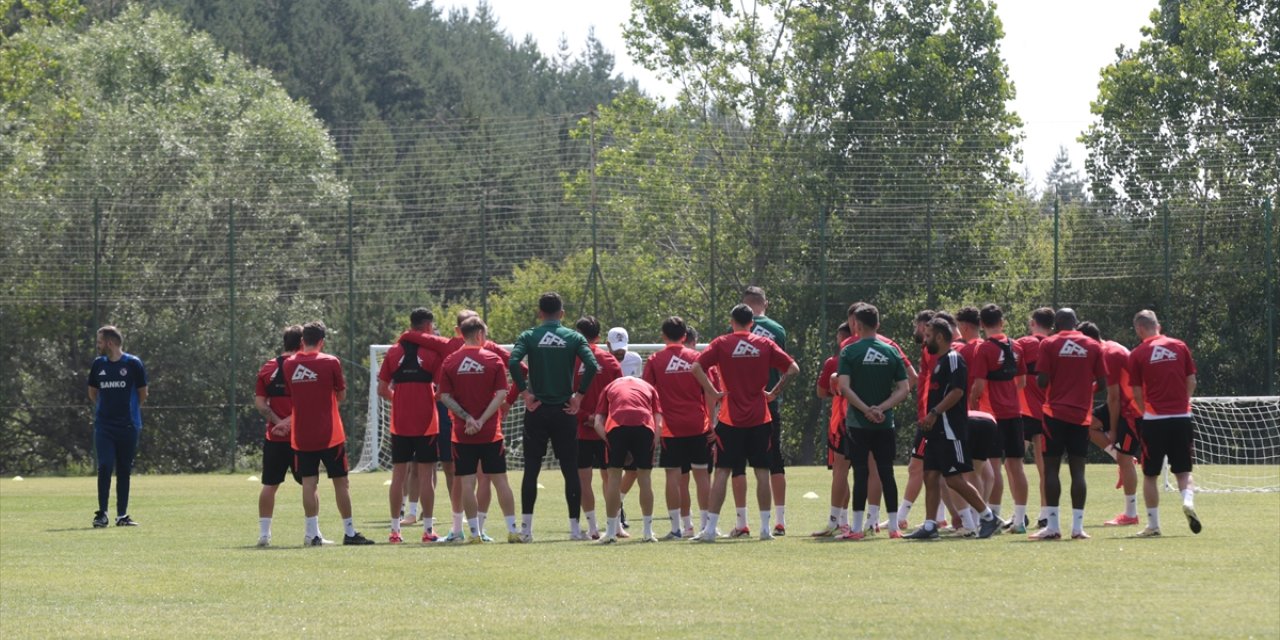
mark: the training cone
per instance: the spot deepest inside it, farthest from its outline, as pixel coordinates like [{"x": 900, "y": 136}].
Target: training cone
[
  {"x": 18, "y": 478},
  {"x": 253, "y": 478},
  {"x": 387, "y": 483},
  {"x": 542, "y": 486},
  {"x": 810, "y": 496}
]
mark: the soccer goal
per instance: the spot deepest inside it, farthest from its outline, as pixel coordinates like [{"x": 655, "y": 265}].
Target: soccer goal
[
  {"x": 1237, "y": 445},
  {"x": 375, "y": 453}
]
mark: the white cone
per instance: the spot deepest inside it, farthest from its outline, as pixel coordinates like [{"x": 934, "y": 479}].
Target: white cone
[
  {"x": 254, "y": 478},
  {"x": 810, "y": 496}
]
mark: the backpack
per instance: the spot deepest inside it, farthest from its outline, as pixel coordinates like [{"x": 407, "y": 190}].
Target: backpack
[{"x": 1008, "y": 367}]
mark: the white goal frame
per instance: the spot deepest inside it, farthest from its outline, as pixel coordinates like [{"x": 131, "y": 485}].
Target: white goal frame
[{"x": 1243, "y": 457}]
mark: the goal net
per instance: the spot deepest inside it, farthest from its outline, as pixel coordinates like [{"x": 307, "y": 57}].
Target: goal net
[
  {"x": 1237, "y": 446},
  {"x": 375, "y": 453}
]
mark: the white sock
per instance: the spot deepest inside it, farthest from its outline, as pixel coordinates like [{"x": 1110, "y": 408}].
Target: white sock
[
  {"x": 428, "y": 523},
  {"x": 893, "y": 521},
  {"x": 1153, "y": 517},
  {"x": 264, "y": 527},
  {"x": 930, "y": 525},
  {"x": 765, "y": 516},
  {"x": 1019, "y": 514},
  {"x": 457, "y": 524},
  {"x": 623, "y": 506},
  {"x": 904, "y": 512},
  {"x": 313, "y": 527},
  {"x": 611, "y": 527},
  {"x": 526, "y": 522},
  {"x": 1044, "y": 513},
  {"x": 967, "y": 519},
  {"x": 1131, "y": 506},
  {"x": 709, "y": 531},
  {"x": 592, "y": 525},
  {"x": 648, "y": 526},
  {"x": 687, "y": 521},
  {"x": 348, "y": 526},
  {"x": 995, "y": 508},
  {"x": 987, "y": 513},
  {"x": 781, "y": 511},
  {"x": 474, "y": 525},
  {"x": 481, "y": 517},
  {"x": 857, "y": 520},
  {"x": 834, "y": 517},
  {"x": 395, "y": 524},
  {"x": 511, "y": 523},
  {"x": 941, "y": 516},
  {"x": 742, "y": 518},
  {"x": 702, "y": 519},
  {"x": 873, "y": 514},
  {"x": 674, "y": 515},
  {"x": 1111, "y": 451},
  {"x": 844, "y": 517},
  {"x": 1051, "y": 515},
  {"x": 1188, "y": 498},
  {"x": 1077, "y": 520},
  {"x": 575, "y": 528},
  {"x": 413, "y": 510}
]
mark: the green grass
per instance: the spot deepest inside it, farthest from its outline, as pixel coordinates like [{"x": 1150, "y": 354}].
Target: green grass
[{"x": 192, "y": 570}]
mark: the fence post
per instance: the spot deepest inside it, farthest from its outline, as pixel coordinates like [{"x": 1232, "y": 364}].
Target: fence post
[
  {"x": 822, "y": 269},
  {"x": 97, "y": 260},
  {"x": 1168, "y": 280},
  {"x": 711, "y": 304},
  {"x": 928, "y": 255},
  {"x": 1271, "y": 298},
  {"x": 1056, "y": 204},
  {"x": 232, "y": 417},
  {"x": 484, "y": 252},
  {"x": 351, "y": 290}
]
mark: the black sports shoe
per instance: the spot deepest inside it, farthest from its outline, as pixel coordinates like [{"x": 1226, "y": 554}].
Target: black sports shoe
[
  {"x": 357, "y": 539},
  {"x": 622, "y": 518},
  {"x": 100, "y": 519},
  {"x": 922, "y": 534},
  {"x": 125, "y": 521},
  {"x": 1042, "y": 523},
  {"x": 988, "y": 527},
  {"x": 1193, "y": 520}
]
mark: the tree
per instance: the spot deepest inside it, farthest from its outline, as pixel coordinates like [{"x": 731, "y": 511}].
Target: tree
[{"x": 1063, "y": 181}]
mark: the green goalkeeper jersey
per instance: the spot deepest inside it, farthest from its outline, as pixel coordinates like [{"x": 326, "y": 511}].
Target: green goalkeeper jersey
[{"x": 552, "y": 350}]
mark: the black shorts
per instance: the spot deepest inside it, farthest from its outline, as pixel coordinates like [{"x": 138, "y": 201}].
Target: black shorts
[
  {"x": 1128, "y": 437},
  {"x": 948, "y": 457},
  {"x": 1060, "y": 437},
  {"x": 880, "y": 443},
  {"x": 277, "y": 461},
  {"x": 549, "y": 424},
  {"x": 836, "y": 441},
  {"x": 1172, "y": 437},
  {"x": 685, "y": 453},
  {"x": 917, "y": 444},
  {"x": 444, "y": 444},
  {"x": 1011, "y": 441},
  {"x": 983, "y": 442},
  {"x": 414, "y": 449},
  {"x": 1031, "y": 427},
  {"x": 592, "y": 454},
  {"x": 334, "y": 459},
  {"x": 634, "y": 440},
  {"x": 490, "y": 457},
  {"x": 736, "y": 447},
  {"x": 775, "y": 440}
]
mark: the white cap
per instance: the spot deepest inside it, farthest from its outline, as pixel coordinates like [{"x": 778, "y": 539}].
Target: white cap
[{"x": 618, "y": 339}]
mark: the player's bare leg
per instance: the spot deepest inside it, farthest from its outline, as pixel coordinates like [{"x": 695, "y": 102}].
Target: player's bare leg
[
  {"x": 427, "y": 489},
  {"x": 677, "y": 495},
  {"x": 764, "y": 499},
  {"x": 395, "y": 496},
  {"x": 644, "y": 478},
  {"x": 740, "y": 501},
  {"x": 915, "y": 482},
  {"x": 588, "y": 501},
  {"x": 875, "y": 489},
  {"x": 414, "y": 496}
]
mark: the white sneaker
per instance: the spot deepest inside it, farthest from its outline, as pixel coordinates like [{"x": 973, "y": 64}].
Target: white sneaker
[
  {"x": 264, "y": 541},
  {"x": 765, "y": 536},
  {"x": 607, "y": 540},
  {"x": 318, "y": 541},
  {"x": 649, "y": 538}
]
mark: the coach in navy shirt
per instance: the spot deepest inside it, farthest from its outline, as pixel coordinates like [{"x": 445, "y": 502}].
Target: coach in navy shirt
[{"x": 117, "y": 387}]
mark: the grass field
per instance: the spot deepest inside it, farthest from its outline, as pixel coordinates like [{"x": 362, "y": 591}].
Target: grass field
[{"x": 192, "y": 570}]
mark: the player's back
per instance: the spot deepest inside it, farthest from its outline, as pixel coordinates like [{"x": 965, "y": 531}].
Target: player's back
[
  {"x": 1073, "y": 363},
  {"x": 1160, "y": 365},
  {"x": 313, "y": 382},
  {"x": 670, "y": 371}
]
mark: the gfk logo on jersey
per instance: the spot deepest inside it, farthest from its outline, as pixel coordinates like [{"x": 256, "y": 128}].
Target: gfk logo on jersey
[
  {"x": 763, "y": 332},
  {"x": 552, "y": 340},
  {"x": 1161, "y": 354},
  {"x": 678, "y": 365},
  {"x": 874, "y": 357},
  {"x": 745, "y": 350},
  {"x": 1072, "y": 350},
  {"x": 469, "y": 366},
  {"x": 303, "y": 374}
]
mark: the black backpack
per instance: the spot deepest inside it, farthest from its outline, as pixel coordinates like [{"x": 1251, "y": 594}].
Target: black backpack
[
  {"x": 276, "y": 388},
  {"x": 1009, "y": 367}
]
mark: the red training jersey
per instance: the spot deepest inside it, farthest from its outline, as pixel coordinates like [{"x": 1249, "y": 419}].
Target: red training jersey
[
  {"x": 1160, "y": 366},
  {"x": 1001, "y": 397},
  {"x": 457, "y": 342},
  {"x": 609, "y": 371},
  {"x": 1117, "y": 358},
  {"x": 280, "y": 405},
  {"x": 670, "y": 371},
  {"x": 927, "y": 360},
  {"x": 839, "y": 406},
  {"x": 1032, "y": 394},
  {"x": 413, "y": 404},
  {"x": 629, "y": 402},
  {"x": 744, "y": 360},
  {"x": 1073, "y": 362},
  {"x": 314, "y": 380},
  {"x": 471, "y": 376}
]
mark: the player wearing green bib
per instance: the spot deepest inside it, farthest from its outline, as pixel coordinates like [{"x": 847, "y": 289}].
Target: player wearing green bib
[
  {"x": 767, "y": 327},
  {"x": 873, "y": 379}
]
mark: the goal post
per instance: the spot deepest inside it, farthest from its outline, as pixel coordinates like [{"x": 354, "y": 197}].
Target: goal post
[
  {"x": 375, "y": 452},
  {"x": 1237, "y": 444}
]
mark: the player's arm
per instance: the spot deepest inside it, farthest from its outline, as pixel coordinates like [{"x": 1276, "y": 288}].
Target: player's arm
[
  {"x": 912, "y": 376},
  {"x": 975, "y": 394},
  {"x": 1113, "y": 410},
  {"x": 448, "y": 400},
  {"x": 948, "y": 401},
  {"x": 142, "y": 396},
  {"x": 384, "y": 390},
  {"x": 709, "y": 390},
  {"x": 499, "y": 397},
  {"x": 657, "y": 430},
  {"x": 341, "y": 395},
  {"x": 1042, "y": 380},
  {"x": 900, "y": 390},
  {"x": 514, "y": 367},
  {"x": 93, "y": 395},
  {"x": 602, "y": 411},
  {"x": 792, "y": 371},
  {"x": 264, "y": 409},
  {"x": 846, "y": 392},
  {"x": 590, "y": 367},
  {"x": 1191, "y": 385}
]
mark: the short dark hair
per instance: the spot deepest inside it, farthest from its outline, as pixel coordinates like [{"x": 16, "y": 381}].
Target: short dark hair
[
  {"x": 589, "y": 327},
  {"x": 843, "y": 327},
  {"x": 421, "y": 317},
  {"x": 853, "y": 308},
  {"x": 868, "y": 316},
  {"x": 673, "y": 328},
  {"x": 1043, "y": 318},
  {"x": 742, "y": 314},
  {"x": 1065, "y": 319},
  {"x": 1090, "y": 329},
  {"x": 690, "y": 336},
  {"x": 754, "y": 294},
  {"x": 463, "y": 315},
  {"x": 313, "y": 333},
  {"x": 550, "y": 303},
  {"x": 110, "y": 332},
  {"x": 471, "y": 326},
  {"x": 924, "y": 316},
  {"x": 947, "y": 317},
  {"x": 293, "y": 337},
  {"x": 941, "y": 327},
  {"x": 968, "y": 315},
  {"x": 991, "y": 315}
]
